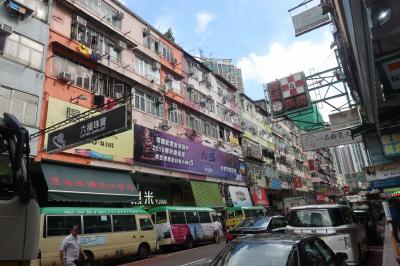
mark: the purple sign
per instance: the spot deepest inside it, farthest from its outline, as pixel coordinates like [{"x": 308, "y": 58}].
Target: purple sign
[{"x": 166, "y": 151}]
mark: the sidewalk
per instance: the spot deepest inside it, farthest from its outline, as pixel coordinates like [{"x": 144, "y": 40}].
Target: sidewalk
[{"x": 389, "y": 254}]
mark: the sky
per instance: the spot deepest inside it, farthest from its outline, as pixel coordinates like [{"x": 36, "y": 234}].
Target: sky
[{"x": 257, "y": 35}]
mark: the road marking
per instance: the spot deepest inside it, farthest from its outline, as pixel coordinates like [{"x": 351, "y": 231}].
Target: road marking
[{"x": 196, "y": 262}]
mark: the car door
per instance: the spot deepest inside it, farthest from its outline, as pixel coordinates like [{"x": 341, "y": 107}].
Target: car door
[
  {"x": 147, "y": 232},
  {"x": 319, "y": 254}
]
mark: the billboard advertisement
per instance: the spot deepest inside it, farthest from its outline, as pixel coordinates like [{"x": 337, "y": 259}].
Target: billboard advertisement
[
  {"x": 163, "y": 150},
  {"x": 288, "y": 95},
  {"x": 389, "y": 72},
  {"x": 240, "y": 196},
  {"x": 118, "y": 148},
  {"x": 345, "y": 119},
  {"x": 259, "y": 196},
  {"x": 309, "y": 20}
]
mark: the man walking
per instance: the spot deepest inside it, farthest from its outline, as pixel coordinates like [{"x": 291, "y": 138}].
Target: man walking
[{"x": 70, "y": 248}]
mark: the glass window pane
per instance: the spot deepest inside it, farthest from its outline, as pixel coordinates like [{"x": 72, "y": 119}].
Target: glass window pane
[
  {"x": 145, "y": 224},
  {"x": 177, "y": 218},
  {"x": 17, "y": 109},
  {"x": 192, "y": 217},
  {"x": 61, "y": 225},
  {"x": 97, "y": 224},
  {"x": 161, "y": 217},
  {"x": 124, "y": 223},
  {"x": 30, "y": 114}
]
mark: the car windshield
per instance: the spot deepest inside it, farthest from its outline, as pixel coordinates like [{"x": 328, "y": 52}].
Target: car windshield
[
  {"x": 316, "y": 218},
  {"x": 266, "y": 254},
  {"x": 257, "y": 222}
]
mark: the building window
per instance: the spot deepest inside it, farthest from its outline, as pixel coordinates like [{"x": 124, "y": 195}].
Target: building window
[
  {"x": 175, "y": 116},
  {"x": 22, "y": 49},
  {"x": 175, "y": 85},
  {"x": 147, "y": 69},
  {"x": 22, "y": 105},
  {"x": 151, "y": 43},
  {"x": 148, "y": 103},
  {"x": 193, "y": 122},
  {"x": 105, "y": 11},
  {"x": 166, "y": 52},
  {"x": 41, "y": 10}
]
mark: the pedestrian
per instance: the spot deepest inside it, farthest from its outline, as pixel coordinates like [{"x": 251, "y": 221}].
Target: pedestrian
[{"x": 70, "y": 249}]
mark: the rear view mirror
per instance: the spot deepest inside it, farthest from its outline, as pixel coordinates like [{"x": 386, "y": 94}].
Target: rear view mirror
[{"x": 341, "y": 256}]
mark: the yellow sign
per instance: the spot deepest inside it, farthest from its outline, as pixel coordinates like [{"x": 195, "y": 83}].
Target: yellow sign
[
  {"x": 83, "y": 49},
  {"x": 233, "y": 140},
  {"x": 117, "y": 148}
]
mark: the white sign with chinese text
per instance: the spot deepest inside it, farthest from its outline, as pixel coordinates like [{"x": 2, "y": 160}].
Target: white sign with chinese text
[
  {"x": 346, "y": 119},
  {"x": 240, "y": 196},
  {"x": 373, "y": 173},
  {"x": 309, "y": 20},
  {"x": 327, "y": 138}
]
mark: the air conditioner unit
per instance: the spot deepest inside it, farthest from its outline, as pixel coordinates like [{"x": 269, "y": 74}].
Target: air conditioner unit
[
  {"x": 224, "y": 100},
  {"x": 226, "y": 111},
  {"x": 219, "y": 91},
  {"x": 79, "y": 20},
  {"x": 163, "y": 88},
  {"x": 243, "y": 125},
  {"x": 155, "y": 66},
  {"x": 120, "y": 45},
  {"x": 174, "y": 61},
  {"x": 203, "y": 102},
  {"x": 65, "y": 76},
  {"x": 191, "y": 72},
  {"x": 173, "y": 106},
  {"x": 208, "y": 84},
  {"x": 209, "y": 98},
  {"x": 146, "y": 31},
  {"x": 165, "y": 124},
  {"x": 118, "y": 91},
  {"x": 6, "y": 29}
]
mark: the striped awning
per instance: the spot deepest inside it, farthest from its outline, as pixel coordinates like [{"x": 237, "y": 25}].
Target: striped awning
[{"x": 392, "y": 190}]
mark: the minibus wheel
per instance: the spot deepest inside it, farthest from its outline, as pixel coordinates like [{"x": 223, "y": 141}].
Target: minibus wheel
[
  {"x": 89, "y": 258},
  {"x": 188, "y": 242},
  {"x": 143, "y": 251}
]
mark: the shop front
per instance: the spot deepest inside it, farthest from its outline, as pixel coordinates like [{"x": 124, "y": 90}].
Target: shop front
[
  {"x": 259, "y": 196},
  {"x": 83, "y": 184}
]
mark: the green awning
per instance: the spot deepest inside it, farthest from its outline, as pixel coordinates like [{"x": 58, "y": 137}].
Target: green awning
[
  {"x": 73, "y": 183},
  {"x": 309, "y": 119},
  {"x": 206, "y": 194}
]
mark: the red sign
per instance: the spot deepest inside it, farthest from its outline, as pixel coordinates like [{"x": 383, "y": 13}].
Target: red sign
[
  {"x": 288, "y": 95},
  {"x": 259, "y": 196},
  {"x": 320, "y": 198},
  {"x": 346, "y": 189},
  {"x": 297, "y": 182},
  {"x": 311, "y": 165}
]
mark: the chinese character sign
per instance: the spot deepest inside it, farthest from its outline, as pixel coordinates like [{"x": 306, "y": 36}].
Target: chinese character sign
[{"x": 166, "y": 151}]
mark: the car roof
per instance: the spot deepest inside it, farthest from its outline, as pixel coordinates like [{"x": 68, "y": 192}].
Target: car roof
[
  {"x": 281, "y": 238},
  {"x": 321, "y": 206}
]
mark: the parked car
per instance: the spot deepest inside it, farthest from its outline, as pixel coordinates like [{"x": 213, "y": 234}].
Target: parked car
[
  {"x": 269, "y": 249},
  {"x": 257, "y": 225},
  {"x": 335, "y": 225}
]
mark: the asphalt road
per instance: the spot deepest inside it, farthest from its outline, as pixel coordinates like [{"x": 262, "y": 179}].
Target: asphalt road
[{"x": 191, "y": 257}]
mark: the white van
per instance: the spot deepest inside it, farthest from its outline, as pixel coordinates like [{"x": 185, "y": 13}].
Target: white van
[{"x": 334, "y": 224}]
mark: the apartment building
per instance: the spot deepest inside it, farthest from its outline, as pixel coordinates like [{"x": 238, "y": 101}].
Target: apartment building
[
  {"x": 184, "y": 138},
  {"x": 23, "y": 42}
]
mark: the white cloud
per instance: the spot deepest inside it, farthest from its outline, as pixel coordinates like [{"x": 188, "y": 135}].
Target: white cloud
[
  {"x": 202, "y": 21},
  {"x": 281, "y": 60}
]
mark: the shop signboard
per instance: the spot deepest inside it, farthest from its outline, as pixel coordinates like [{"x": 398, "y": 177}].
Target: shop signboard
[
  {"x": 345, "y": 119},
  {"x": 297, "y": 182},
  {"x": 375, "y": 149},
  {"x": 320, "y": 198},
  {"x": 386, "y": 171},
  {"x": 259, "y": 196},
  {"x": 240, "y": 196},
  {"x": 151, "y": 197},
  {"x": 276, "y": 183},
  {"x": 309, "y": 20},
  {"x": 118, "y": 147},
  {"x": 163, "y": 150},
  {"x": 389, "y": 72},
  {"x": 327, "y": 138},
  {"x": 288, "y": 95},
  {"x": 391, "y": 143}
]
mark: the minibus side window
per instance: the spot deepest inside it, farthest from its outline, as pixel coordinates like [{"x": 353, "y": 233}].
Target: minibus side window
[
  {"x": 97, "y": 224},
  {"x": 177, "y": 218},
  {"x": 215, "y": 217},
  {"x": 161, "y": 217},
  {"x": 204, "y": 217},
  {"x": 192, "y": 217},
  {"x": 61, "y": 225},
  {"x": 124, "y": 223}
]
